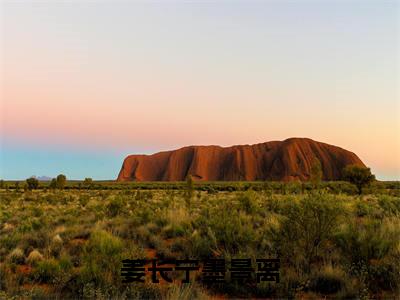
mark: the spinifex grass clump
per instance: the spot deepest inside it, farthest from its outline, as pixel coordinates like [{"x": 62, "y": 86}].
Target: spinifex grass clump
[
  {"x": 16, "y": 256},
  {"x": 34, "y": 258}
]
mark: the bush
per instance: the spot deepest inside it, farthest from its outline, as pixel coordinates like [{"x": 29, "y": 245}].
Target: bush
[
  {"x": 32, "y": 183},
  {"x": 84, "y": 200},
  {"x": 88, "y": 182},
  {"x": 17, "y": 256},
  {"x": 308, "y": 226},
  {"x": 368, "y": 208},
  {"x": 383, "y": 276},
  {"x": 56, "y": 245},
  {"x": 226, "y": 229},
  {"x": 61, "y": 180},
  {"x": 328, "y": 281},
  {"x": 202, "y": 246},
  {"x": 362, "y": 242},
  {"x": 115, "y": 207},
  {"x": 359, "y": 176},
  {"x": 47, "y": 271},
  {"x": 316, "y": 172},
  {"x": 102, "y": 259},
  {"x": 247, "y": 201},
  {"x": 53, "y": 184},
  {"x": 171, "y": 231},
  {"x": 372, "y": 251},
  {"x": 185, "y": 292},
  {"x": 390, "y": 205},
  {"x": 34, "y": 258}
]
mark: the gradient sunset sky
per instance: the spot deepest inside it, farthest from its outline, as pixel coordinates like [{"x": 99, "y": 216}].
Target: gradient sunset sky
[{"x": 85, "y": 83}]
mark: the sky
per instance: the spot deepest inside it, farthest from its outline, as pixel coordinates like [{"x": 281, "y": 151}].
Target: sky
[{"x": 85, "y": 83}]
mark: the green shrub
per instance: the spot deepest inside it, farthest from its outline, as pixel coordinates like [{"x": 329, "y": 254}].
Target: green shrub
[
  {"x": 224, "y": 228},
  {"x": 34, "y": 239},
  {"x": 32, "y": 183},
  {"x": 61, "y": 181},
  {"x": 328, "y": 281},
  {"x": 362, "y": 209},
  {"x": 359, "y": 176},
  {"x": 88, "y": 182},
  {"x": 316, "y": 172},
  {"x": 178, "y": 246},
  {"x": 247, "y": 201},
  {"x": 115, "y": 207},
  {"x": 102, "y": 259},
  {"x": 308, "y": 227},
  {"x": 84, "y": 200},
  {"x": 362, "y": 242},
  {"x": 65, "y": 263},
  {"x": 384, "y": 276},
  {"x": 56, "y": 245},
  {"x": 202, "y": 245},
  {"x": 34, "y": 258},
  {"x": 17, "y": 256},
  {"x": 173, "y": 230},
  {"x": 185, "y": 292},
  {"x": 37, "y": 293},
  {"x": 47, "y": 271},
  {"x": 390, "y": 205}
]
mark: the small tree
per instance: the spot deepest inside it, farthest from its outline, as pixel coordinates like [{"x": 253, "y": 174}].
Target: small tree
[
  {"x": 53, "y": 184},
  {"x": 359, "y": 176},
  {"x": 316, "y": 172},
  {"x": 2, "y": 185},
  {"x": 88, "y": 182},
  {"x": 61, "y": 181},
  {"x": 32, "y": 183},
  {"x": 189, "y": 189},
  {"x": 308, "y": 228}
]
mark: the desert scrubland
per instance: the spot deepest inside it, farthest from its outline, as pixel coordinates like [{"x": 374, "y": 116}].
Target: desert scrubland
[{"x": 70, "y": 242}]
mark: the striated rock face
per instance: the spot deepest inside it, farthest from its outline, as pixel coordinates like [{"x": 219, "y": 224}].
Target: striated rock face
[{"x": 278, "y": 160}]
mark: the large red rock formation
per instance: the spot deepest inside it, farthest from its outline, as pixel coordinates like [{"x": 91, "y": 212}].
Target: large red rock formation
[{"x": 278, "y": 160}]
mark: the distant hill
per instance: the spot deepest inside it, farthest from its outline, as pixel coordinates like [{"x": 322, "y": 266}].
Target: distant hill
[
  {"x": 42, "y": 178},
  {"x": 286, "y": 160}
]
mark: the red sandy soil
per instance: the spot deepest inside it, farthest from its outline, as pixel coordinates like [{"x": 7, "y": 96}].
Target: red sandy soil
[
  {"x": 150, "y": 253},
  {"x": 288, "y": 160},
  {"x": 44, "y": 286},
  {"x": 24, "y": 269}
]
